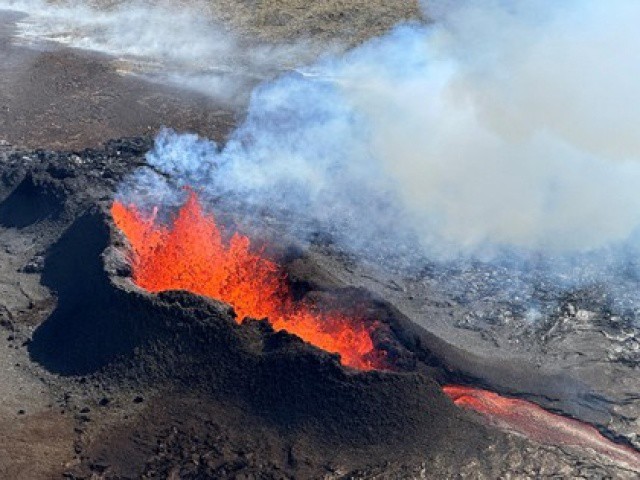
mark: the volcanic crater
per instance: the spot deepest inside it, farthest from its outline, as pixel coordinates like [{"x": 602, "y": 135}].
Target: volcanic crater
[
  {"x": 106, "y": 327},
  {"x": 173, "y": 378}
]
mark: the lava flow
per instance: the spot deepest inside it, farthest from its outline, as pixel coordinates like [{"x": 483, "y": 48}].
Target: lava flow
[
  {"x": 532, "y": 421},
  {"x": 190, "y": 254}
]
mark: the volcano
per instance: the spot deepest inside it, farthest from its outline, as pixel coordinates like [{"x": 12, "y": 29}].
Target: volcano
[
  {"x": 179, "y": 339},
  {"x": 190, "y": 255},
  {"x": 369, "y": 249}
]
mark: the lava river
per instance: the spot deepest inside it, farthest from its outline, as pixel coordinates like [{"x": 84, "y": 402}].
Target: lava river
[
  {"x": 190, "y": 254},
  {"x": 534, "y": 422}
]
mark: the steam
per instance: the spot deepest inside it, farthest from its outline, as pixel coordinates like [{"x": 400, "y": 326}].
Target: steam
[
  {"x": 502, "y": 126},
  {"x": 179, "y": 44}
]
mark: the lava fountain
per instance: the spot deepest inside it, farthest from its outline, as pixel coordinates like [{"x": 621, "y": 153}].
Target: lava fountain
[
  {"x": 190, "y": 254},
  {"x": 537, "y": 424}
]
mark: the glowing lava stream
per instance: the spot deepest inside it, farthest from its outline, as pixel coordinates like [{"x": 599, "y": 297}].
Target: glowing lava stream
[
  {"x": 190, "y": 254},
  {"x": 534, "y": 422}
]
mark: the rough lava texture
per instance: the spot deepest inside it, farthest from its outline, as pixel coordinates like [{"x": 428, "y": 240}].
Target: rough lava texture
[
  {"x": 175, "y": 382},
  {"x": 91, "y": 366}
]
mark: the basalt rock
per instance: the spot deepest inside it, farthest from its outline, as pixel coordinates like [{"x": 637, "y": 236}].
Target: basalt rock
[
  {"x": 106, "y": 326},
  {"x": 221, "y": 397}
]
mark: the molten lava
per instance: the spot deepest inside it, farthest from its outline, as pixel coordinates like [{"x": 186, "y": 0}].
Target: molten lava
[
  {"x": 532, "y": 421},
  {"x": 190, "y": 254}
]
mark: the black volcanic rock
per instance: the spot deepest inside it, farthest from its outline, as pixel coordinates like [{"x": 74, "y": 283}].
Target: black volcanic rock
[
  {"x": 220, "y": 399},
  {"x": 104, "y": 325},
  {"x": 31, "y": 201}
]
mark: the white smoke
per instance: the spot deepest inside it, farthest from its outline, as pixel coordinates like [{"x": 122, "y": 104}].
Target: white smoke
[
  {"x": 164, "y": 41},
  {"x": 501, "y": 124}
]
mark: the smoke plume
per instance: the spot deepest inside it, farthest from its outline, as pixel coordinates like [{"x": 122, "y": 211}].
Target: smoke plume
[{"x": 501, "y": 125}]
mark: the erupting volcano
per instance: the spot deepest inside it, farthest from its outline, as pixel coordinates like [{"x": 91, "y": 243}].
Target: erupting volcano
[{"x": 190, "y": 254}]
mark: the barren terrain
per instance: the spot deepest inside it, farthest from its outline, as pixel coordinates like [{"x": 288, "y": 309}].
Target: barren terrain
[
  {"x": 99, "y": 379},
  {"x": 55, "y": 97}
]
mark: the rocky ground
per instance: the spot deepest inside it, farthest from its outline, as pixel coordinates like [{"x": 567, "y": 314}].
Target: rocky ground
[
  {"x": 55, "y": 97},
  {"x": 351, "y": 21},
  {"x": 94, "y": 367},
  {"x": 584, "y": 343},
  {"x": 90, "y": 367}
]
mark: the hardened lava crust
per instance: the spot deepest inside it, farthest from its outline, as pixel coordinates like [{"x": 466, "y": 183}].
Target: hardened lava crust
[{"x": 141, "y": 385}]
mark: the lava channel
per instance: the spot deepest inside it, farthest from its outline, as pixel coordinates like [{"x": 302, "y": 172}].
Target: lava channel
[
  {"x": 532, "y": 421},
  {"x": 190, "y": 254}
]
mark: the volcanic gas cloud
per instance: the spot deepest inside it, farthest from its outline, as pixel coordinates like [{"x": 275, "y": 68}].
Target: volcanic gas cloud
[{"x": 190, "y": 254}]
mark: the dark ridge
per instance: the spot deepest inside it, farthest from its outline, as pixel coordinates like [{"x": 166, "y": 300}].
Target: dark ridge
[
  {"x": 105, "y": 326},
  {"x": 287, "y": 383},
  {"x": 133, "y": 147},
  {"x": 32, "y": 201},
  {"x": 83, "y": 333}
]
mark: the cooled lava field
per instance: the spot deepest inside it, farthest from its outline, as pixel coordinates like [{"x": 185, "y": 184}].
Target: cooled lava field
[{"x": 214, "y": 336}]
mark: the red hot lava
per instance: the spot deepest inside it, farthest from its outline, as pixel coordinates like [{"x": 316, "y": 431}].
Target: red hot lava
[
  {"x": 534, "y": 422},
  {"x": 190, "y": 254}
]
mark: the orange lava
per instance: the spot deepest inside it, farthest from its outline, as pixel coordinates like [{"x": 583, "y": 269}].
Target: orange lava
[
  {"x": 190, "y": 254},
  {"x": 532, "y": 421}
]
